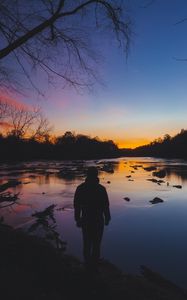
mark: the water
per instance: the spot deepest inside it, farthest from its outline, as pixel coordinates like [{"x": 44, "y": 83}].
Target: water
[{"x": 140, "y": 233}]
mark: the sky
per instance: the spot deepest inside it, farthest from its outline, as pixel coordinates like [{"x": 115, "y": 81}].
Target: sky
[{"x": 141, "y": 97}]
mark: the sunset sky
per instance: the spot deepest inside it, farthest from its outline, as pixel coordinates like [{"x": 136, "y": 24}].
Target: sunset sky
[{"x": 143, "y": 97}]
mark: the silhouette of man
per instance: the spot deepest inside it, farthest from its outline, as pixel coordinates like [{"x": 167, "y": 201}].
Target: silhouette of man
[{"x": 92, "y": 211}]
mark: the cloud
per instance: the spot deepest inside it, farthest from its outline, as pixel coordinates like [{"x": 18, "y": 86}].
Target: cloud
[
  {"x": 5, "y": 125},
  {"x": 14, "y": 102}
]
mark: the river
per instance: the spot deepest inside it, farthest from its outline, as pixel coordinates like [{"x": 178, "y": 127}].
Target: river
[{"x": 140, "y": 233}]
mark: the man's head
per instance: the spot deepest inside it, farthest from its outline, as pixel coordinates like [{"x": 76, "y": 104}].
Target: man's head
[{"x": 92, "y": 172}]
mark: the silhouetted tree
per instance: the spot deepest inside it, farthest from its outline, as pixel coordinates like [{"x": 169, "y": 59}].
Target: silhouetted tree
[
  {"x": 24, "y": 122},
  {"x": 167, "y": 138},
  {"x": 4, "y": 111},
  {"x": 175, "y": 147},
  {"x": 41, "y": 129},
  {"x": 21, "y": 120},
  {"x": 68, "y": 146},
  {"x": 53, "y": 37}
]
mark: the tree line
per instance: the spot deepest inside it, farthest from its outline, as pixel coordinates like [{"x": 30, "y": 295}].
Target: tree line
[
  {"x": 25, "y": 133},
  {"x": 166, "y": 147}
]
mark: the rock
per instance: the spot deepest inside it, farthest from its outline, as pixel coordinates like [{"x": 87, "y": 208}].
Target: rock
[
  {"x": 160, "y": 174},
  {"x": 150, "y": 168},
  {"x": 178, "y": 186},
  {"x": 67, "y": 174},
  {"x": 156, "y": 200},
  {"x": 127, "y": 199},
  {"x": 156, "y": 181},
  {"x": 108, "y": 168},
  {"x": 32, "y": 176},
  {"x": 135, "y": 167},
  {"x": 153, "y": 180}
]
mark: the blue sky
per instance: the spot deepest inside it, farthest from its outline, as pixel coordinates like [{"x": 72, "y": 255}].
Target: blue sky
[{"x": 143, "y": 97}]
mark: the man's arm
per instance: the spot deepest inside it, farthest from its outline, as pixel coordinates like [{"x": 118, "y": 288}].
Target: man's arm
[
  {"x": 106, "y": 207},
  {"x": 77, "y": 207}
]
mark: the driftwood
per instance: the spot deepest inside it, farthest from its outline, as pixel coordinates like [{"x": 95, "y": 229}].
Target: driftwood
[
  {"x": 46, "y": 220},
  {"x": 9, "y": 184},
  {"x": 8, "y": 197}
]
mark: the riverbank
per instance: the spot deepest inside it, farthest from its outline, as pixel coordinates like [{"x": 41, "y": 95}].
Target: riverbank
[{"x": 31, "y": 268}]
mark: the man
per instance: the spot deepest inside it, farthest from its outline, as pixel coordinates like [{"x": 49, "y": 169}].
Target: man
[{"x": 91, "y": 206}]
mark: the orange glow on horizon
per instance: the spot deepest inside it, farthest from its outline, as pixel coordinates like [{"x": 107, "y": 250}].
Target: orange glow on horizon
[
  {"x": 121, "y": 142},
  {"x": 132, "y": 143}
]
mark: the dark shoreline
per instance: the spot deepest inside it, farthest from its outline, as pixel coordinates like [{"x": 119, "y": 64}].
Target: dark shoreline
[
  {"x": 71, "y": 146},
  {"x": 33, "y": 269},
  {"x": 13, "y": 161}
]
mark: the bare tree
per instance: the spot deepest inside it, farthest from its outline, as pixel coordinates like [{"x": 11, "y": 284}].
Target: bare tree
[
  {"x": 55, "y": 38},
  {"x": 41, "y": 129},
  {"x": 24, "y": 122},
  {"x": 4, "y": 110},
  {"x": 27, "y": 122},
  {"x": 21, "y": 120}
]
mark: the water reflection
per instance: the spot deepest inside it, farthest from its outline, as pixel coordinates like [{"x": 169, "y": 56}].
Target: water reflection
[
  {"x": 178, "y": 171},
  {"x": 122, "y": 177},
  {"x": 143, "y": 233},
  {"x": 130, "y": 178}
]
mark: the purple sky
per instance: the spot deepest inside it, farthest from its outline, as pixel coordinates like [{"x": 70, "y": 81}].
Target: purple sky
[{"x": 143, "y": 97}]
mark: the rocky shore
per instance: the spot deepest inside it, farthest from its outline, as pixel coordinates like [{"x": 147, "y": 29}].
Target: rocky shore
[{"x": 31, "y": 268}]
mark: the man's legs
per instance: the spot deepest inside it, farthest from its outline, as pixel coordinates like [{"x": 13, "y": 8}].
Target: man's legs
[
  {"x": 87, "y": 243},
  {"x": 96, "y": 245}
]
